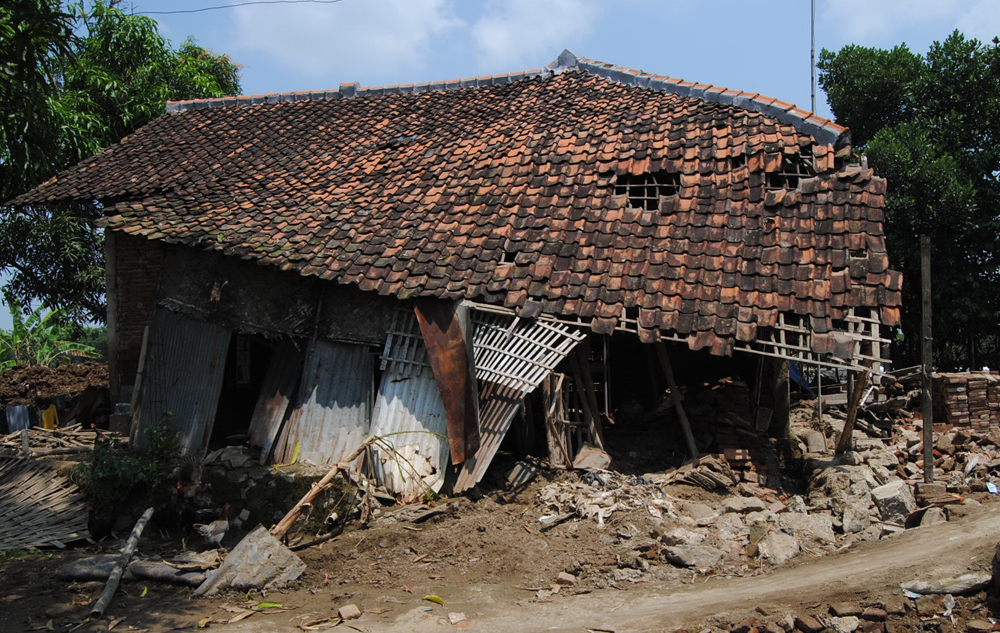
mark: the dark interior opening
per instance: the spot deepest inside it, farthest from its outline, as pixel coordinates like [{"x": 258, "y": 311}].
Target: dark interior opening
[{"x": 246, "y": 365}]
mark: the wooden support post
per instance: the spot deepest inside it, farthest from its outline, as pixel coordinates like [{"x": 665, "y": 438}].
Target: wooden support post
[
  {"x": 593, "y": 424},
  {"x": 552, "y": 390},
  {"x": 844, "y": 441},
  {"x": 926, "y": 356},
  {"x": 120, "y": 565},
  {"x": 583, "y": 358},
  {"x": 137, "y": 389},
  {"x": 661, "y": 351}
]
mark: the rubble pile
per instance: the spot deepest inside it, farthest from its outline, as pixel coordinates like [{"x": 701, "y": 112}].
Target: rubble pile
[
  {"x": 945, "y": 612},
  {"x": 870, "y": 493}
]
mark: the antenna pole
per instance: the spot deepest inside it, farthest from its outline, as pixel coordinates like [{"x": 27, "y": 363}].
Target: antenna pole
[{"x": 812, "y": 52}]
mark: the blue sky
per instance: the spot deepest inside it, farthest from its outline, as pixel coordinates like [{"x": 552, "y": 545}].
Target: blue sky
[
  {"x": 753, "y": 45},
  {"x": 759, "y": 45}
]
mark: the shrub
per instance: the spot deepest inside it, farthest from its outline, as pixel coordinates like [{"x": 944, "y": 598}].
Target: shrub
[{"x": 118, "y": 476}]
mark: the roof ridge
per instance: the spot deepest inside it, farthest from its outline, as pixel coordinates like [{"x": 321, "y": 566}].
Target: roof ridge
[{"x": 823, "y": 130}]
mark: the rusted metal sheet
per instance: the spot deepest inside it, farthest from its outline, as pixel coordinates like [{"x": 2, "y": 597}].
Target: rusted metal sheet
[
  {"x": 276, "y": 393},
  {"x": 409, "y": 416},
  {"x": 333, "y": 405},
  {"x": 182, "y": 378},
  {"x": 445, "y": 340},
  {"x": 513, "y": 356}
]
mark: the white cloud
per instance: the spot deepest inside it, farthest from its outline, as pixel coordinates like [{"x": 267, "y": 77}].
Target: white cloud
[
  {"x": 884, "y": 22},
  {"x": 981, "y": 21},
  {"x": 512, "y": 32},
  {"x": 349, "y": 41}
]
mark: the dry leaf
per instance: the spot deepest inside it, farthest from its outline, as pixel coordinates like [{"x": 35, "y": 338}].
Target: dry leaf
[
  {"x": 241, "y": 616},
  {"x": 202, "y": 623}
]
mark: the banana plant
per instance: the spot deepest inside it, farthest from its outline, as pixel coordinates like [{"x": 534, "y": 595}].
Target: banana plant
[{"x": 38, "y": 337}]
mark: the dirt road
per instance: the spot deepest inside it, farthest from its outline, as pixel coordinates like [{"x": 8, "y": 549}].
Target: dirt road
[{"x": 869, "y": 570}]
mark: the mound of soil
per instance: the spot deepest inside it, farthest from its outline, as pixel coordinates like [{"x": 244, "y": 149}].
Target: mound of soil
[{"x": 32, "y": 385}]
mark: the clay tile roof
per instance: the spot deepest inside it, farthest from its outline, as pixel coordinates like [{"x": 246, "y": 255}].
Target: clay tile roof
[{"x": 602, "y": 192}]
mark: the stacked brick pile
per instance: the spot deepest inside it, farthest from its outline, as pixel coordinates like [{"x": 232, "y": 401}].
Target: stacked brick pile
[{"x": 967, "y": 399}]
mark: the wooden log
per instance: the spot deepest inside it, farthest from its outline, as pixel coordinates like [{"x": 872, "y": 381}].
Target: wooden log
[
  {"x": 282, "y": 527},
  {"x": 661, "y": 351},
  {"x": 119, "y": 569}
]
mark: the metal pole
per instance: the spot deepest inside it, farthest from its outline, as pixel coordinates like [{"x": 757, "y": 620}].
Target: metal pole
[
  {"x": 812, "y": 53},
  {"x": 926, "y": 355}
]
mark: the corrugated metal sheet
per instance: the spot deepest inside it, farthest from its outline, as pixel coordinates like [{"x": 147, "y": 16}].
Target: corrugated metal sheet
[
  {"x": 182, "y": 378},
  {"x": 513, "y": 356},
  {"x": 276, "y": 393},
  {"x": 410, "y": 416},
  {"x": 333, "y": 407}
]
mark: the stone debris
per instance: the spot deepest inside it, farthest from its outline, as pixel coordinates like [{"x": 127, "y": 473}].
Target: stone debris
[
  {"x": 349, "y": 612},
  {"x": 966, "y": 583},
  {"x": 895, "y": 501}
]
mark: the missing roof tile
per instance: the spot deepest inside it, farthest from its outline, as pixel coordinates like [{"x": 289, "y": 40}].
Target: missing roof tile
[
  {"x": 793, "y": 168},
  {"x": 644, "y": 191}
]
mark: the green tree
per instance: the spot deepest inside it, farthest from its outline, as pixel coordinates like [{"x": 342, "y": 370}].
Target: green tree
[
  {"x": 928, "y": 125},
  {"x": 73, "y": 81}
]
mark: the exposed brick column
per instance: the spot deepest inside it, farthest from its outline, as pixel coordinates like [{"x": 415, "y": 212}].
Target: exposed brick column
[{"x": 133, "y": 266}]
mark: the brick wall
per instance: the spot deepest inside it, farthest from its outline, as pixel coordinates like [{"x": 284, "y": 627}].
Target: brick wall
[
  {"x": 967, "y": 399},
  {"x": 133, "y": 280}
]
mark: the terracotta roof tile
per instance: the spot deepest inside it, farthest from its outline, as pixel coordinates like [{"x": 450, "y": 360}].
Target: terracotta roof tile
[{"x": 432, "y": 189}]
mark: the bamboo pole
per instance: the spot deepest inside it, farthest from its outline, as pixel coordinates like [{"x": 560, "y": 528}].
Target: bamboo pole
[
  {"x": 119, "y": 569},
  {"x": 668, "y": 370},
  {"x": 285, "y": 524}
]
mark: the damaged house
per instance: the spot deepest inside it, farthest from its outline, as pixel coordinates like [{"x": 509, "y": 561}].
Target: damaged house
[{"x": 420, "y": 261}]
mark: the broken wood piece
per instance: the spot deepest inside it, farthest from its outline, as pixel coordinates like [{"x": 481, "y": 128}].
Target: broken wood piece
[
  {"x": 282, "y": 527},
  {"x": 661, "y": 352},
  {"x": 116, "y": 574}
]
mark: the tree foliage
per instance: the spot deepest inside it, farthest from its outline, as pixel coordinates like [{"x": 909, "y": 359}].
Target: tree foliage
[
  {"x": 74, "y": 80},
  {"x": 928, "y": 124}
]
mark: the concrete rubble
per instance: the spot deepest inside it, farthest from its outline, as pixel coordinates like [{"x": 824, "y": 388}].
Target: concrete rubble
[{"x": 871, "y": 492}]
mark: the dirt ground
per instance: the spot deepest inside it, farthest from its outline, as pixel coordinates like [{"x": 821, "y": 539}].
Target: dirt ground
[
  {"x": 30, "y": 385},
  {"x": 490, "y": 560}
]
